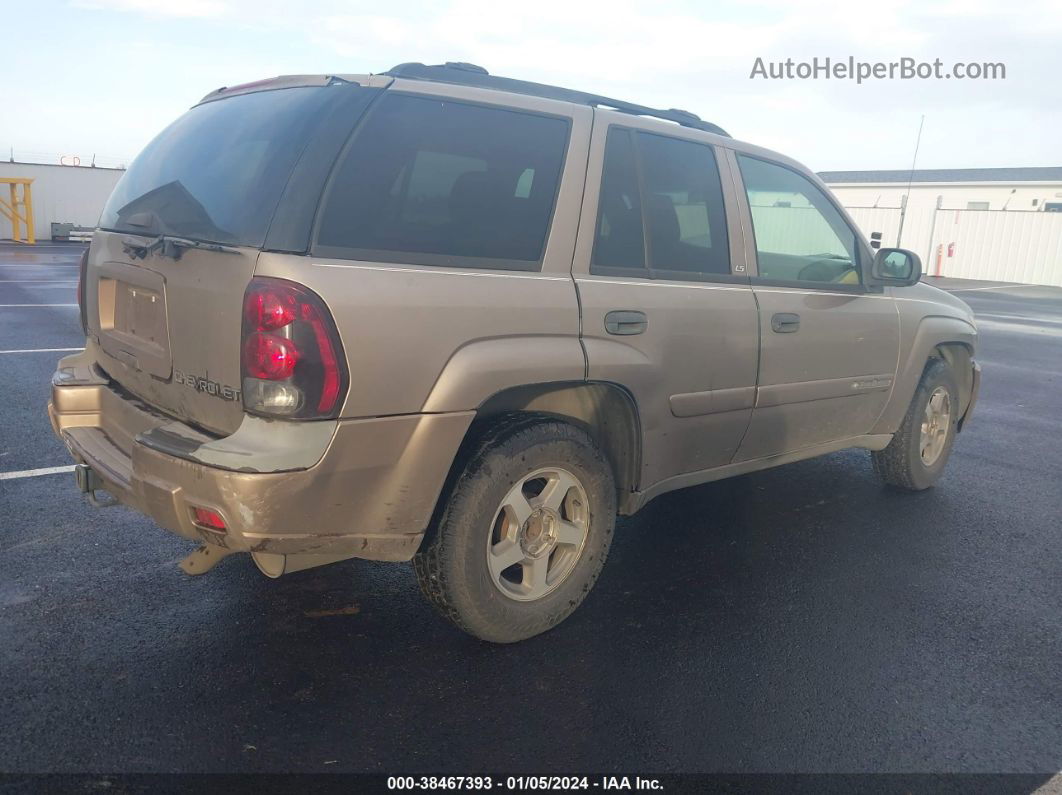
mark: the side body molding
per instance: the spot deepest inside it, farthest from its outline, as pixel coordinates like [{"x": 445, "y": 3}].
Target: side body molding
[{"x": 714, "y": 401}]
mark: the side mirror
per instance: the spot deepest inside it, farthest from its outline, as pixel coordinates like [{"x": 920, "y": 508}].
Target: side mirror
[{"x": 896, "y": 266}]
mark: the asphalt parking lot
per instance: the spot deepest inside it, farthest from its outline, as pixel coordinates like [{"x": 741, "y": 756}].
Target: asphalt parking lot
[{"x": 800, "y": 619}]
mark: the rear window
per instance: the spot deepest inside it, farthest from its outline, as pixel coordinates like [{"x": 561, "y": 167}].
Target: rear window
[
  {"x": 216, "y": 174},
  {"x": 438, "y": 182}
]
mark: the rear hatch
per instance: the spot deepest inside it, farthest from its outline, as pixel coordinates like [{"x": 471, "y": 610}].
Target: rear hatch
[
  {"x": 180, "y": 236},
  {"x": 169, "y": 331}
]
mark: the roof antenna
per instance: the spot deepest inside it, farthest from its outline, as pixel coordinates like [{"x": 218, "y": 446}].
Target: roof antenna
[{"x": 910, "y": 179}]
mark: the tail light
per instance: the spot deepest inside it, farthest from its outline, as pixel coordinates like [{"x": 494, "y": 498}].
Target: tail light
[
  {"x": 292, "y": 360},
  {"x": 82, "y": 272}
]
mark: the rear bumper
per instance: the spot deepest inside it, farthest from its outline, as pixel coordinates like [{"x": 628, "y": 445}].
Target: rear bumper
[{"x": 347, "y": 488}]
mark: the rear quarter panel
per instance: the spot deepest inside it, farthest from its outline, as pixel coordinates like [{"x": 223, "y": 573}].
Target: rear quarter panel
[{"x": 407, "y": 328}]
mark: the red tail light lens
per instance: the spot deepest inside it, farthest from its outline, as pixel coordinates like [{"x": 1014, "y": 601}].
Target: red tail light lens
[
  {"x": 293, "y": 362},
  {"x": 269, "y": 357},
  {"x": 82, "y": 273},
  {"x": 331, "y": 372},
  {"x": 269, "y": 309}
]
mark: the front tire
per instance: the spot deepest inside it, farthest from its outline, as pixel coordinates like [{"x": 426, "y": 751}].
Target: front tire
[
  {"x": 524, "y": 533},
  {"x": 916, "y": 456}
]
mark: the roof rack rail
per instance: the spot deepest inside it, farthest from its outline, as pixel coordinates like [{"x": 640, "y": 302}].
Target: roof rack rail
[{"x": 466, "y": 74}]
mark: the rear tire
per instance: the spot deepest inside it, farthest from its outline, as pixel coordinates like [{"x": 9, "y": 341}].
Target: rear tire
[
  {"x": 524, "y": 532},
  {"x": 919, "y": 451}
]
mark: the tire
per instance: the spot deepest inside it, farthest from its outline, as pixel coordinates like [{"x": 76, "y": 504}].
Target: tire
[
  {"x": 484, "y": 513},
  {"x": 902, "y": 464}
]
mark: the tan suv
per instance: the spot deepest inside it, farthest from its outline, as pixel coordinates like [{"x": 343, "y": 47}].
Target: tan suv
[{"x": 440, "y": 316}]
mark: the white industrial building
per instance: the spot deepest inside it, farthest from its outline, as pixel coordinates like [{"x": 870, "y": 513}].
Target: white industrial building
[
  {"x": 61, "y": 194},
  {"x": 1002, "y": 224}
]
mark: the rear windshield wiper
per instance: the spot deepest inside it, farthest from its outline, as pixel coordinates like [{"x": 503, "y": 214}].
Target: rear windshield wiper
[{"x": 169, "y": 246}]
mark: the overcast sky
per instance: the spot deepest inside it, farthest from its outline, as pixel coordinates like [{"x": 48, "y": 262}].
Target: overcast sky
[{"x": 103, "y": 76}]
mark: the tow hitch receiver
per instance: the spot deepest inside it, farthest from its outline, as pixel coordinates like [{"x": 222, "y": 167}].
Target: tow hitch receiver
[
  {"x": 89, "y": 483},
  {"x": 87, "y": 480}
]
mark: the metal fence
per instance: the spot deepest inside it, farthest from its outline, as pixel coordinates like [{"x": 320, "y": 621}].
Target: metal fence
[
  {"x": 998, "y": 245},
  {"x": 994, "y": 245}
]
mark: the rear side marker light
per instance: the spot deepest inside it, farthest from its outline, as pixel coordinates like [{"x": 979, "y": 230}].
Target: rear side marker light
[{"x": 208, "y": 520}]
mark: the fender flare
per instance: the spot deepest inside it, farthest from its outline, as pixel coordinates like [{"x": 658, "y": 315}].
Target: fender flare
[
  {"x": 481, "y": 369},
  {"x": 932, "y": 332}
]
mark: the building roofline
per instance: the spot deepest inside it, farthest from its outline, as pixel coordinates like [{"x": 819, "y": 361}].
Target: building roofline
[
  {"x": 1046, "y": 174},
  {"x": 57, "y": 165}
]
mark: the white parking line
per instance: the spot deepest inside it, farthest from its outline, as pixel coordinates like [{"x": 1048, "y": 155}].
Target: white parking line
[
  {"x": 33, "y": 473},
  {"x": 43, "y": 350},
  {"x": 36, "y": 281},
  {"x": 5, "y": 306}
]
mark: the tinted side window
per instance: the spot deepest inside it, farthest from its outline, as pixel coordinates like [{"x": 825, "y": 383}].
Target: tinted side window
[
  {"x": 684, "y": 203},
  {"x": 671, "y": 189},
  {"x": 620, "y": 241},
  {"x": 800, "y": 235},
  {"x": 437, "y": 182}
]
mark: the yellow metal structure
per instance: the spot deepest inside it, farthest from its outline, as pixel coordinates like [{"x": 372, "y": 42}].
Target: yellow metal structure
[{"x": 11, "y": 210}]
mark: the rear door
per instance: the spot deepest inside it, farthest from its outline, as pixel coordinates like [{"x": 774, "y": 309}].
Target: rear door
[
  {"x": 829, "y": 344},
  {"x": 666, "y": 305},
  {"x": 168, "y": 323}
]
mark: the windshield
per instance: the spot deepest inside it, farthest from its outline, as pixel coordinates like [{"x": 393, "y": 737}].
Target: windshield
[{"x": 216, "y": 174}]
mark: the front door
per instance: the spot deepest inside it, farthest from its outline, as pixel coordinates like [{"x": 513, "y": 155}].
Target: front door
[
  {"x": 829, "y": 345},
  {"x": 667, "y": 310}
]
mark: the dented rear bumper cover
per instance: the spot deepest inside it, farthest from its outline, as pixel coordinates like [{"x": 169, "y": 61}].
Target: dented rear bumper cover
[{"x": 342, "y": 488}]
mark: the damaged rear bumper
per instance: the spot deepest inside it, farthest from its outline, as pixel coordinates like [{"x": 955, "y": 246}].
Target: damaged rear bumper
[{"x": 319, "y": 491}]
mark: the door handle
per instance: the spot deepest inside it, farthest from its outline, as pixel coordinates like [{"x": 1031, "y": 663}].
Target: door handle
[
  {"x": 626, "y": 321},
  {"x": 785, "y": 323}
]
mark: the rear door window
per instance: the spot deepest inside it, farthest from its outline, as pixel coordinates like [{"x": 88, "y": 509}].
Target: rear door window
[
  {"x": 684, "y": 204},
  {"x": 661, "y": 204},
  {"x": 620, "y": 241},
  {"x": 437, "y": 182}
]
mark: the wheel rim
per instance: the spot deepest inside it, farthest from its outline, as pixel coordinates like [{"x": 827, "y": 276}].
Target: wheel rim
[
  {"x": 538, "y": 534},
  {"x": 936, "y": 424}
]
